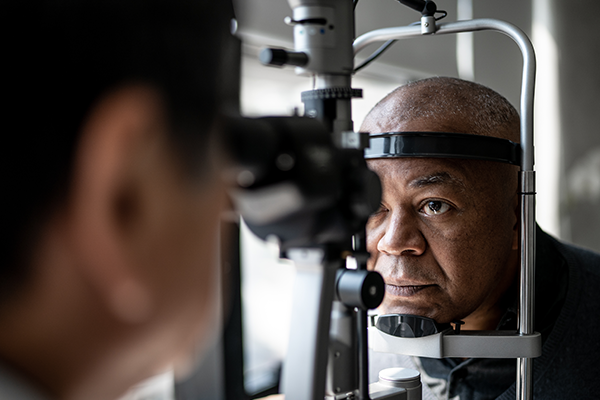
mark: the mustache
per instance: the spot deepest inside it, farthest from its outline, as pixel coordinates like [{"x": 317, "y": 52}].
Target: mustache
[{"x": 404, "y": 268}]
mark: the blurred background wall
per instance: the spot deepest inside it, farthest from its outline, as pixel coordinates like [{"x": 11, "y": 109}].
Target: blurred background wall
[{"x": 573, "y": 24}]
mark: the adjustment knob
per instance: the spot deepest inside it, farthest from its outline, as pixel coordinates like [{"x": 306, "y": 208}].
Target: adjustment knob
[
  {"x": 360, "y": 288},
  {"x": 281, "y": 57}
]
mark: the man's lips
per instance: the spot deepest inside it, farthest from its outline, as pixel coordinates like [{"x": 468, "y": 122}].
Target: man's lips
[{"x": 405, "y": 290}]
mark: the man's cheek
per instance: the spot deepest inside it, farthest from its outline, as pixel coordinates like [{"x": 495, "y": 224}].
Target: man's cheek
[
  {"x": 373, "y": 253},
  {"x": 371, "y": 263}
]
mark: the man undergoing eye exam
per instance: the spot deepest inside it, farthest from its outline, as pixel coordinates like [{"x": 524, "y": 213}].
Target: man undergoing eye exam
[
  {"x": 446, "y": 241},
  {"x": 111, "y": 191}
]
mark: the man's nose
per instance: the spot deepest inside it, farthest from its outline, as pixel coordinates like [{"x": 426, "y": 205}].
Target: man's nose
[{"x": 402, "y": 236}]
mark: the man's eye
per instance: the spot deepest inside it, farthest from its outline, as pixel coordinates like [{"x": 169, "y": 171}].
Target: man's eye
[
  {"x": 380, "y": 209},
  {"x": 435, "y": 207}
]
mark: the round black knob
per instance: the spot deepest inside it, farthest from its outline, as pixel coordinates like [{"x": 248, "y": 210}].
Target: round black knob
[{"x": 360, "y": 288}]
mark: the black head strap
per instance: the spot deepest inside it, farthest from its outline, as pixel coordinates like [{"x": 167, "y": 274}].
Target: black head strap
[{"x": 443, "y": 145}]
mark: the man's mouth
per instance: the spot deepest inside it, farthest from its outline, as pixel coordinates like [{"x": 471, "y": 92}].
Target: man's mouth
[{"x": 405, "y": 290}]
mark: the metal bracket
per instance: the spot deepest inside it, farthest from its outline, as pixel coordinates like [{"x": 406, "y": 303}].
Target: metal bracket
[{"x": 471, "y": 344}]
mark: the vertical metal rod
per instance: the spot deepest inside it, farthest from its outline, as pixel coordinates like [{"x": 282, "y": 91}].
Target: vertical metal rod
[
  {"x": 363, "y": 356},
  {"x": 524, "y": 387},
  {"x": 360, "y": 247},
  {"x": 526, "y": 311},
  {"x": 232, "y": 333},
  {"x": 342, "y": 367},
  {"x": 465, "y": 57},
  {"x": 305, "y": 366}
]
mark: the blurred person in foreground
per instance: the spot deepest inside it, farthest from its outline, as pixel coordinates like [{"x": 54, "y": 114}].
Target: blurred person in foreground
[
  {"x": 111, "y": 190},
  {"x": 446, "y": 240}
]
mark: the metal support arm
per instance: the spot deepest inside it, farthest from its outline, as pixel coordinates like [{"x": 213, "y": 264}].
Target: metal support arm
[{"x": 527, "y": 175}]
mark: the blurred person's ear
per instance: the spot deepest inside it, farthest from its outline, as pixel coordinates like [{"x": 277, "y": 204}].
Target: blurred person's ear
[
  {"x": 126, "y": 267},
  {"x": 117, "y": 167}
]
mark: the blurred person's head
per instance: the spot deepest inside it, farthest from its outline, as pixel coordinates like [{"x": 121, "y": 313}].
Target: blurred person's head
[
  {"x": 445, "y": 237},
  {"x": 111, "y": 187}
]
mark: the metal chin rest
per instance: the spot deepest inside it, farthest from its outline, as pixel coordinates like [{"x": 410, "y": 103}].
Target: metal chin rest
[{"x": 443, "y": 145}]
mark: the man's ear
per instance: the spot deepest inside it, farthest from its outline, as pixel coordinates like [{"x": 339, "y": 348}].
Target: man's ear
[{"x": 118, "y": 148}]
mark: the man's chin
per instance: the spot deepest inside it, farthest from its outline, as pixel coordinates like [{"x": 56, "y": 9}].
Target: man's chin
[
  {"x": 384, "y": 310},
  {"x": 438, "y": 317},
  {"x": 411, "y": 309}
]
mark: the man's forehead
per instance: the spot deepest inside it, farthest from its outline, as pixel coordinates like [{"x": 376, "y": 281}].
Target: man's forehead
[
  {"x": 422, "y": 172},
  {"x": 384, "y": 123}
]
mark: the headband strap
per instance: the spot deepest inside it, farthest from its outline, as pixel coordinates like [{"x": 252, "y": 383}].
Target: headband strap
[{"x": 443, "y": 145}]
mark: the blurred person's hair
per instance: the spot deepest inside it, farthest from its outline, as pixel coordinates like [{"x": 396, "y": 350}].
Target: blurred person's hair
[{"x": 59, "y": 57}]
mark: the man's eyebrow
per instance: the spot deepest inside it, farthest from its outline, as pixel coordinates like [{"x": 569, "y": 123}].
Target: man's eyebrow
[{"x": 437, "y": 178}]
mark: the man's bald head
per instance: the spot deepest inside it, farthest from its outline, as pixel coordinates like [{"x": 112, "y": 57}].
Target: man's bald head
[{"x": 452, "y": 104}]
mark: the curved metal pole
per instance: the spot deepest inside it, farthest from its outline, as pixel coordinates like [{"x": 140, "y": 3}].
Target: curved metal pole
[
  {"x": 528, "y": 79},
  {"x": 527, "y": 174}
]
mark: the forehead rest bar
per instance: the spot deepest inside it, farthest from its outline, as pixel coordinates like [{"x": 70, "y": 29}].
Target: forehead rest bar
[{"x": 443, "y": 145}]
